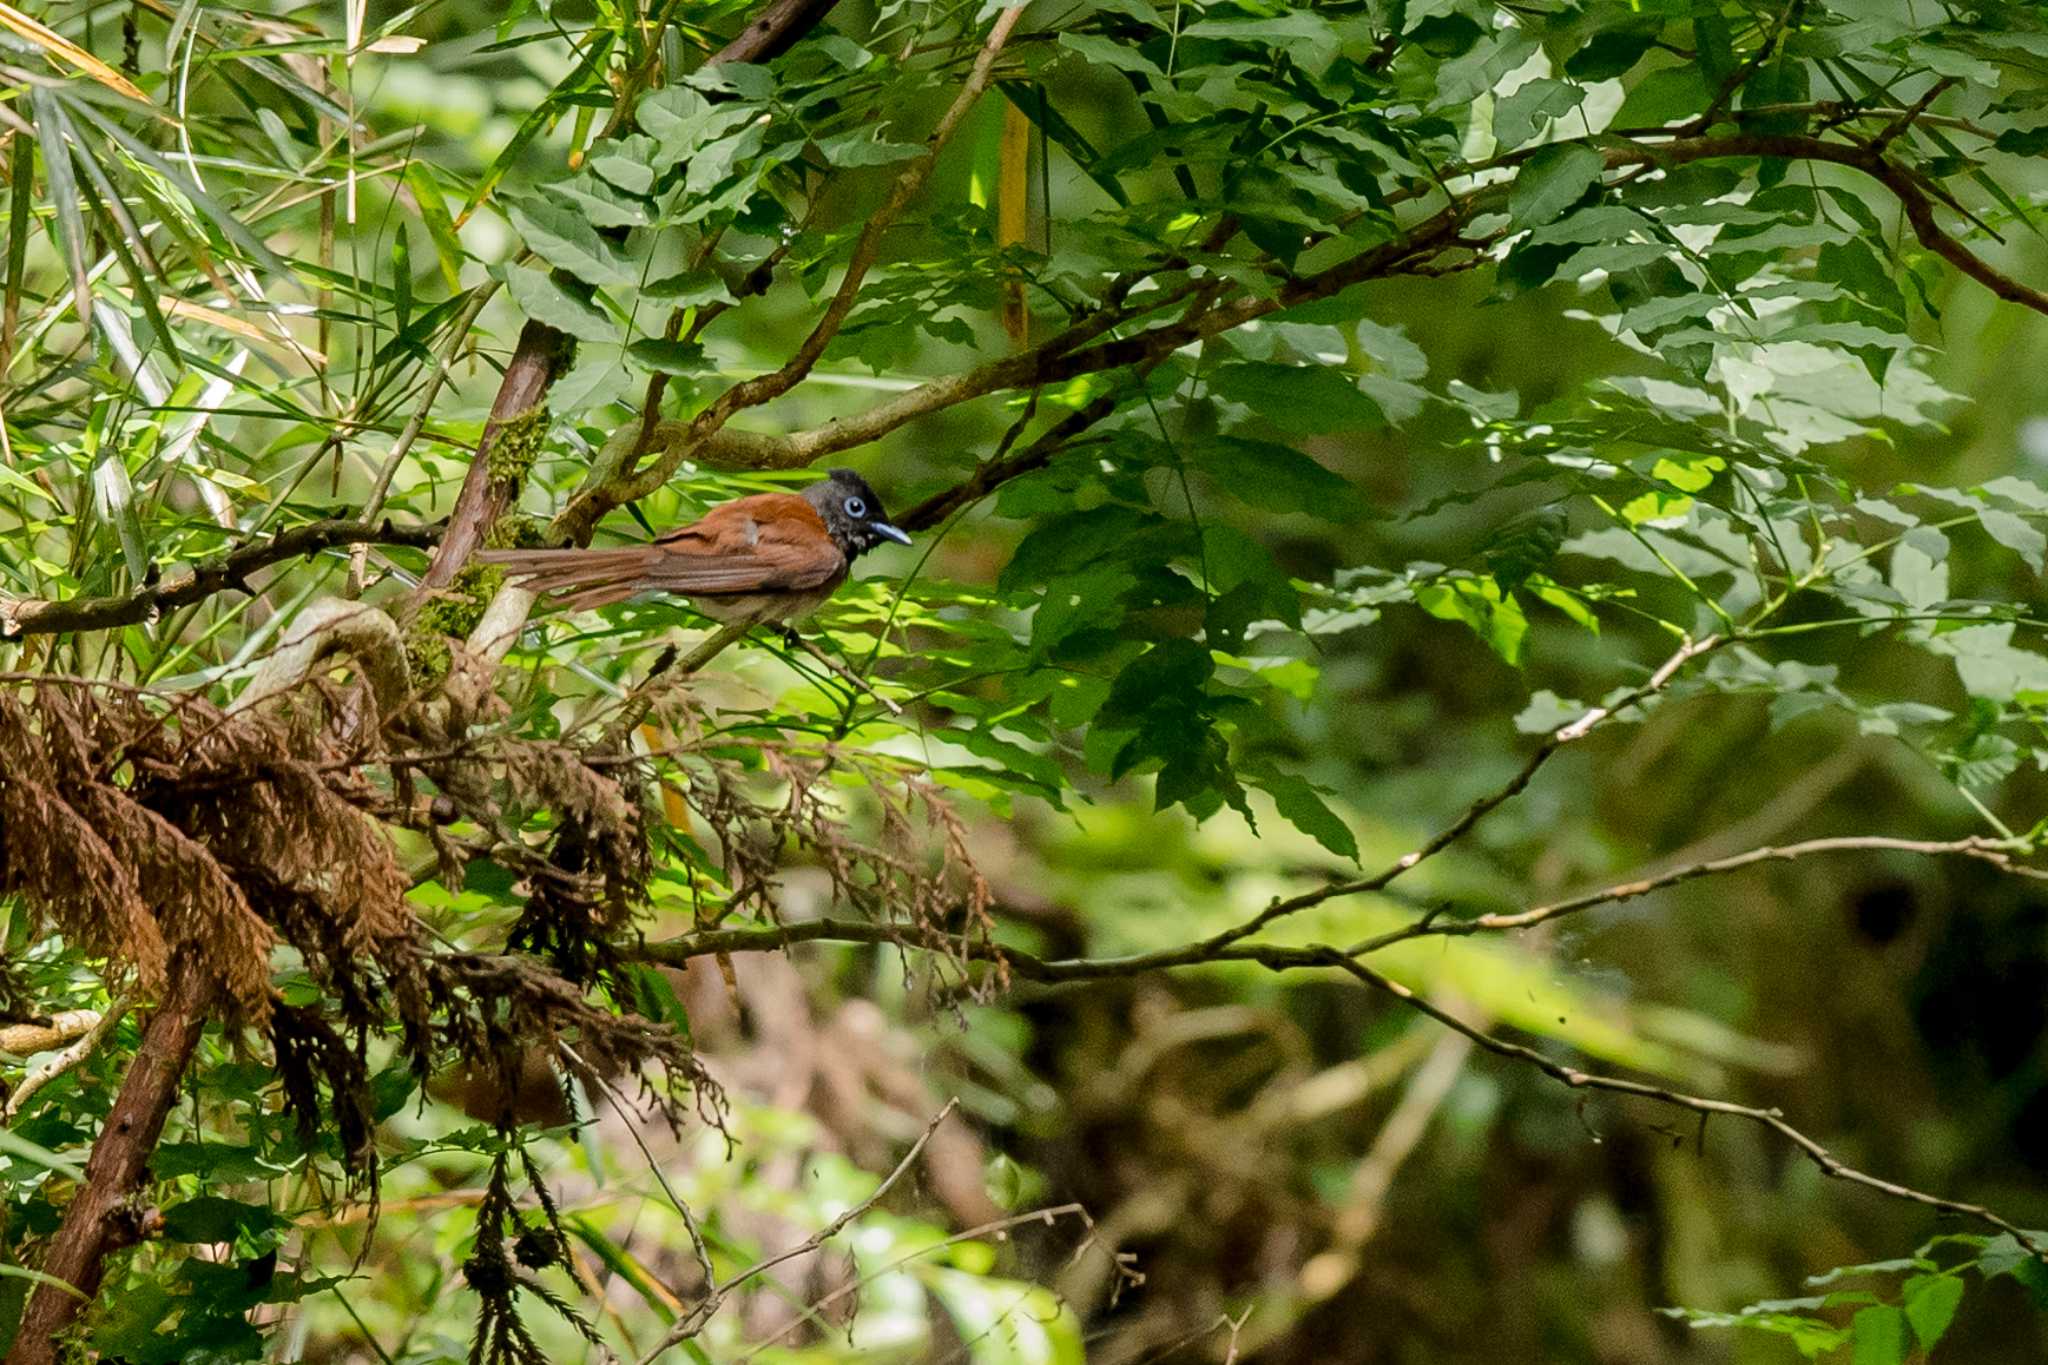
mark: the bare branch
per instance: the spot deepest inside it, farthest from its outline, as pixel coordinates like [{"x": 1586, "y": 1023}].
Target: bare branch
[
  {"x": 1997, "y": 852},
  {"x": 189, "y": 583},
  {"x": 458, "y": 334},
  {"x": 583, "y": 513},
  {"x": 331, "y": 626},
  {"x": 1830, "y": 1165},
  {"x": 1065, "y": 357},
  {"x": 1906, "y": 185},
  {"x": 773, "y": 32},
  {"x": 491, "y": 486},
  {"x": 995, "y": 473},
  {"x": 543, "y": 352}
]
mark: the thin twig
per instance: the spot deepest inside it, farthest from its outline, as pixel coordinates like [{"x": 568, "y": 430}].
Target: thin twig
[
  {"x": 698, "y": 1245},
  {"x": 1737, "y": 78},
  {"x": 458, "y": 333},
  {"x": 1774, "y": 1119},
  {"x": 1998, "y": 852},
  {"x": 1906, "y": 119},
  {"x": 693, "y": 1322},
  {"x": 842, "y": 671},
  {"x": 1450, "y": 834},
  {"x": 1278, "y": 958},
  {"x": 1046, "y": 1217}
]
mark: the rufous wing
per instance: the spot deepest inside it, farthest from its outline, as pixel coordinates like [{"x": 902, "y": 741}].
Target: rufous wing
[{"x": 766, "y": 543}]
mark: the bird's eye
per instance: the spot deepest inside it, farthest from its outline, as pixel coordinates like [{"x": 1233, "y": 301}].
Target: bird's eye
[{"x": 856, "y": 508}]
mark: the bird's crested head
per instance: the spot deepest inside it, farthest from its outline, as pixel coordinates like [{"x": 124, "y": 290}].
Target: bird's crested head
[{"x": 852, "y": 513}]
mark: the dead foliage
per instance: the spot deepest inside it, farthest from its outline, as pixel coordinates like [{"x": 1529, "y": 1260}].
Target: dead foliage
[{"x": 150, "y": 830}]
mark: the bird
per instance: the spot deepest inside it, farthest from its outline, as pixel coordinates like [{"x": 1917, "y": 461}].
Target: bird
[{"x": 764, "y": 559}]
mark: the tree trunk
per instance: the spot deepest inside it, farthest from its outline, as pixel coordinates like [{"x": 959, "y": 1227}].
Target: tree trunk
[{"x": 100, "y": 1219}]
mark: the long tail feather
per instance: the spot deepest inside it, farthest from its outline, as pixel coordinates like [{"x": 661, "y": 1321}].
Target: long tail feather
[{"x": 580, "y": 579}]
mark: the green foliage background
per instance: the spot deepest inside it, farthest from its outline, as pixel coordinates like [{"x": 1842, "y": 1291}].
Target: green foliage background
[{"x": 1264, "y": 611}]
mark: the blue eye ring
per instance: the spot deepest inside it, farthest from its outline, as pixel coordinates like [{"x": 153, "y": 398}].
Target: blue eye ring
[{"x": 856, "y": 508}]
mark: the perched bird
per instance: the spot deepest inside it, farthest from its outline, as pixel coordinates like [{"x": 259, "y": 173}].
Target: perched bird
[{"x": 764, "y": 559}]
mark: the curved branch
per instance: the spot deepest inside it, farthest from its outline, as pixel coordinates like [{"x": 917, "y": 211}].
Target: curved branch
[
  {"x": 1830, "y": 1165},
  {"x": 867, "y": 249},
  {"x": 85, "y": 1028},
  {"x": 1906, "y": 185},
  {"x": 997, "y": 472},
  {"x": 577, "y": 520},
  {"x": 1064, "y": 357},
  {"x": 1999, "y": 853},
  {"x": 774, "y": 31},
  {"x": 1279, "y": 958},
  {"x": 186, "y": 584},
  {"x": 331, "y": 626},
  {"x": 1569, "y": 733},
  {"x": 542, "y": 353}
]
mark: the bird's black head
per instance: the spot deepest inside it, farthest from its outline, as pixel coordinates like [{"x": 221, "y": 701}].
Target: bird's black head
[{"x": 852, "y": 513}]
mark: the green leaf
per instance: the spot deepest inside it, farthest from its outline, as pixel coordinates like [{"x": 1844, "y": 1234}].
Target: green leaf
[
  {"x": 1664, "y": 96},
  {"x": 1533, "y": 106},
  {"x": 1073, "y": 543},
  {"x": 858, "y": 147},
  {"x": 1276, "y": 477},
  {"x": 1930, "y": 1305},
  {"x": 401, "y": 275},
  {"x": 684, "y": 121},
  {"x": 1877, "y": 1336},
  {"x": 542, "y": 115},
  {"x": 15, "y": 1145},
  {"x": 566, "y": 240},
  {"x": 1480, "y": 604},
  {"x": 543, "y": 299},
  {"x": 1107, "y": 52},
  {"x": 211, "y": 1218},
  {"x": 1609, "y": 53},
  {"x": 2015, "y": 533},
  {"x": 227, "y": 224},
  {"x": 1547, "y": 712},
  {"x": 1029, "y": 96},
  {"x": 1074, "y": 602},
  {"x": 1919, "y": 567},
  {"x": 1552, "y": 181},
  {"x": 1524, "y": 547},
  {"x": 22, "y": 1272},
  {"x": 440, "y": 224},
  {"x": 1302, "y": 806},
  {"x": 668, "y": 357},
  {"x": 63, "y": 193},
  {"x": 689, "y": 289},
  {"x": 1171, "y": 672},
  {"x": 1308, "y": 400}
]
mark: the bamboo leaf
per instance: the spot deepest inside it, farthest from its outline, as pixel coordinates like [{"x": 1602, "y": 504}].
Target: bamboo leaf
[{"x": 63, "y": 183}]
